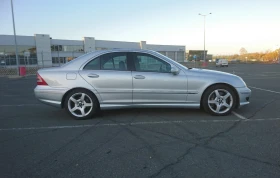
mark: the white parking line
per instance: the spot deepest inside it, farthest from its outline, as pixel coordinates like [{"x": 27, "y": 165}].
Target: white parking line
[
  {"x": 264, "y": 89},
  {"x": 239, "y": 116},
  {"x": 136, "y": 123}
]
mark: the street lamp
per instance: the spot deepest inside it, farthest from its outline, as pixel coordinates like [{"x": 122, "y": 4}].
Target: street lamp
[
  {"x": 17, "y": 62},
  {"x": 204, "y": 57}
]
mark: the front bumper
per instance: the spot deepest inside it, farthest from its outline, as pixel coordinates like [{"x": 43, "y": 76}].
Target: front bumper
[
  {"x": 49, "y": 95},
  {"x": 244, "y": 95}
]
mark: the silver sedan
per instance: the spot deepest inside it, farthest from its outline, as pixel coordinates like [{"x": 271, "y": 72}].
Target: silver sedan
[{"x": 137, "y": 78}]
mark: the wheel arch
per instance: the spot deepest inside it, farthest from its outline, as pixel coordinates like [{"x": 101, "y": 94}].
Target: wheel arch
[
  {"x": 65, "y": 95},
  {"x": 226, "y": 84}
]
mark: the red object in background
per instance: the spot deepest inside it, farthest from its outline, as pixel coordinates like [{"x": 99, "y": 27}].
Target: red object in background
[
  {"x": 204, "y": 64},
  {"x": 22, "y": 71}
]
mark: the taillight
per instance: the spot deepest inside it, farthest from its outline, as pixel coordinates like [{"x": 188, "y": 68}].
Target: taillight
[{"x": 40, "y": 80}]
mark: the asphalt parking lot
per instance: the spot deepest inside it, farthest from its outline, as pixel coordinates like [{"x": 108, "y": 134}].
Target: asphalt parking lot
[{"x": 37, "y": 140}]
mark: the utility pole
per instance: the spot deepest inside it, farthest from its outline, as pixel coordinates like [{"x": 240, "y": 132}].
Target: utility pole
[
  {"x": 204, "y": 55},
  {"x": 15, "y": 36}
]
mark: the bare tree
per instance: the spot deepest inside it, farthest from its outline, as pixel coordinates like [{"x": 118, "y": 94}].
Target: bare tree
[{"x": 243, "y": 51}]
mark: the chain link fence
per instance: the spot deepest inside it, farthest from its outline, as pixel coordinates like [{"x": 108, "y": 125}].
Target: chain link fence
[{"x": 8, "y": 66}]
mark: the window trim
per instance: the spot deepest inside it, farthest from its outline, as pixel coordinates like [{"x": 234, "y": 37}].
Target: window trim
[
  {"x": 147, "y": 54},
  {"x": 128, "y": 66}
]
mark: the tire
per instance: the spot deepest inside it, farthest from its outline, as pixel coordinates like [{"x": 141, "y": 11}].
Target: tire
[
  {"x": 219, "y": 106},
  {"x": 83, "y": 103}
]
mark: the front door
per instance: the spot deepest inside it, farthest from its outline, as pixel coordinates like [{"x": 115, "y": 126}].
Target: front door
[
  {"x": 110, "y": 76},
  {"x": 153, "y": 81}
]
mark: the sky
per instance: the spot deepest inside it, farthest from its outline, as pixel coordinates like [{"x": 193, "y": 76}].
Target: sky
[{"x": 252, "y": 24}]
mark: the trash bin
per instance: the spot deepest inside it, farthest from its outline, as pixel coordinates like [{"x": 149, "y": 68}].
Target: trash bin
[
  {"x": 204, "y": 64},
  {"x": 22, "y": 71}
]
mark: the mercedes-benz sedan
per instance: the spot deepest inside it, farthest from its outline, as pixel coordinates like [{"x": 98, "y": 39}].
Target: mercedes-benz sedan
[{"x": 137, "y": 78}]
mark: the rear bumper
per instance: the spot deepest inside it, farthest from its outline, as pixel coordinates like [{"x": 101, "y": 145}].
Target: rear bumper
[
  {"x": 49, "y": 95},
  {"x": 244, "y": 96}
]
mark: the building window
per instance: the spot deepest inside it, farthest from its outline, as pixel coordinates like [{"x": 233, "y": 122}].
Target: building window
[
  {"x": 180, "y": 56},
  {"x": 162, "y": 52},
  {"x": 171, "y": 55},
  {"x": 56, "y": 61},
  {"x": 98, "y": 49},
  {"x": 67, "y": 48},
  {"x": 8, "y": 55}
]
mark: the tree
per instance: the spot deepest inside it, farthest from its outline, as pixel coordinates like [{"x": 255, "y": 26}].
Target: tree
[
  {"x": 243, "y": 51},
  {"x": 270, "y": 56}
]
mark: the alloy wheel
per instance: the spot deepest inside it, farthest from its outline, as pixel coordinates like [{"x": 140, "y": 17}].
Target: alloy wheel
[
  {"x": 220, "y": 101},
  {"x": 80, "y": 104}
]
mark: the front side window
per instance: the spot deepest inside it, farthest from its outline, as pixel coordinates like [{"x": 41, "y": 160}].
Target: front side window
[
  {"x": 148, "y": 63},
  {"x": 111, "y": 61}
]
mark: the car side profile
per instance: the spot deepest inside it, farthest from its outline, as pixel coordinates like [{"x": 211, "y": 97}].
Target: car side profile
[{"x": 131, "y": 78}]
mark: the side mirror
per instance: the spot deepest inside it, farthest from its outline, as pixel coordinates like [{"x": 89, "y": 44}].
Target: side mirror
[{"x": 174, "y": 70}]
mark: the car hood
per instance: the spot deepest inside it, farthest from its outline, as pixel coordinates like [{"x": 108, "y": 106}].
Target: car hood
[{"x": 212, "y": 72}]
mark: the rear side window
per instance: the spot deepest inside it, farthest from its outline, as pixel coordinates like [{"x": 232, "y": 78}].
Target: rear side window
[
  {"x": 111, "y": 61},
  {"x": 93, "y": 65}
]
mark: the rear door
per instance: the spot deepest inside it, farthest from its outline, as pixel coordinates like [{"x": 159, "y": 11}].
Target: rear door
[{"x": 110, "y": 75}]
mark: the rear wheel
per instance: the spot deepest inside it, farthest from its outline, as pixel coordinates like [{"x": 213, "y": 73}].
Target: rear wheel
[
  {"x": 219, "y": 100},
  {"x": 81, "y": 104}
]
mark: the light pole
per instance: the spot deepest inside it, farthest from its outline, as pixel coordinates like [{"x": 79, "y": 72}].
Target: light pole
[
  {"x": 204, "y": 56},
  {"x": 17, "y": 62}
]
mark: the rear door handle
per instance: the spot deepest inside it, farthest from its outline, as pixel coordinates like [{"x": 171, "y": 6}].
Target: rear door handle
[
  {"x": 139, "y": 77},
  {"x": 93, "y": 75}
]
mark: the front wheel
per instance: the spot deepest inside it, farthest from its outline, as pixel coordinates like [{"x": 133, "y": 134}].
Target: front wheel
[
  {"x": 81, "y": 104},
  {"x": 219, "y": 100}
]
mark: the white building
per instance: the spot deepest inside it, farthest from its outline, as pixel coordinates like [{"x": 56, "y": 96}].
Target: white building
[{"x": 45, "y": 51}]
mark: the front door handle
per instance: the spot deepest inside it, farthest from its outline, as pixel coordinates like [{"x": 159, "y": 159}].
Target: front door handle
[
  {"x": 139, "y": 77},
  {"x": 93, "y": 75}
]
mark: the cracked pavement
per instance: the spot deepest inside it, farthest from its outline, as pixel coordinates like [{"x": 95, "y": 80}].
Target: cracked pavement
[{"x": 217, "y": 147}]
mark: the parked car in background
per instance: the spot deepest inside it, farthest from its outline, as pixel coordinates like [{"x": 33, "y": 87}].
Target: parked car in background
[
  {"x": 137, "y": 78},
  {"x": 221, "y": 63},
  {"x": 2, "y": 63}
]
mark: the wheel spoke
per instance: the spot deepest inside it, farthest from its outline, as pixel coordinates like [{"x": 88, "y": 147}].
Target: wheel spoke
[
  {"x": 218, "y": 108},
  {"x": 217, "y": 93},
  {"x": 227, "y": 95},
  {"x": 74, "y": 109},
  {"x": 88, "y": 104},
  {"x": 212, "y": 101},
  {"x": 82, "y": 111},
  {"x": 83, "y": 97},
  {"x": 73, "y": 99},
  {"x": 226, "y": 105}
]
